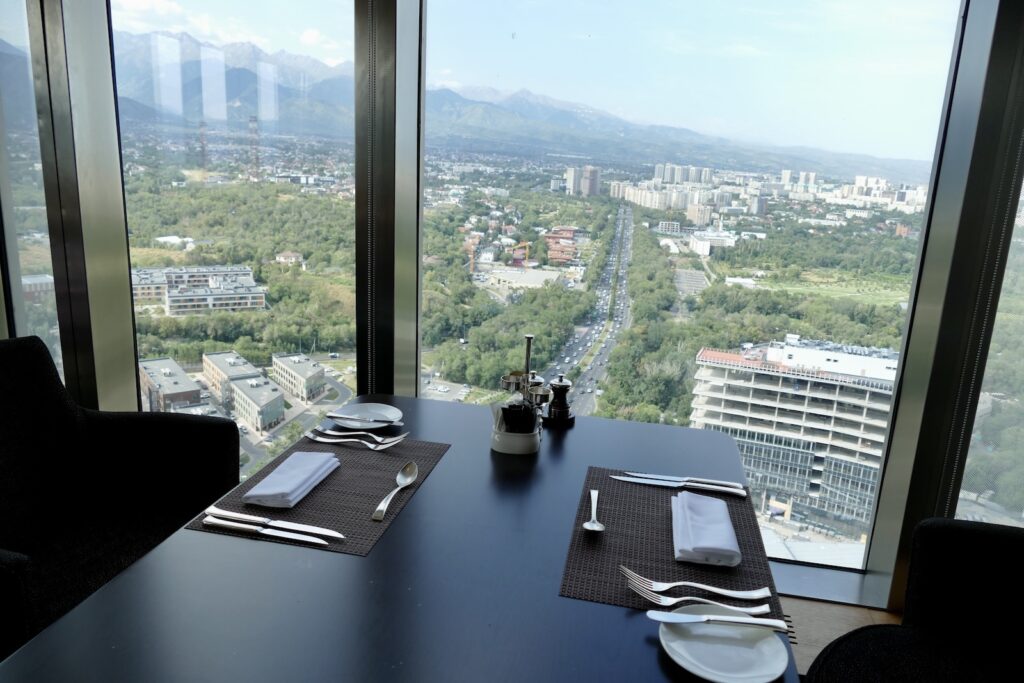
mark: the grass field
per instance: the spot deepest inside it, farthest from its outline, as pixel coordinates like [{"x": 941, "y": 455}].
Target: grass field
[{"x": 886, "y": 292}]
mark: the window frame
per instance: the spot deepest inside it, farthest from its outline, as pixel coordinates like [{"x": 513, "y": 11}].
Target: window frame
[{"x": 984, "y": 93}]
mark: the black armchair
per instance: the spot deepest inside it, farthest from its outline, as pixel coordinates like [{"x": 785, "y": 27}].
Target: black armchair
[
  {"x": 83, "y": 493},
  {"x": 963, "y": 583}
]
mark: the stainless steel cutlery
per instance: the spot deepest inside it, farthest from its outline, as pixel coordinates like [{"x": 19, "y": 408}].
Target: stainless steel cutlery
[
  {"x": 371, "y": 421},
  {"x": 406, "y": 476},
  {"x": 680, "y": 618},
  {"x": 372, "y": 446},
  {"x": 666, "y": 601},
  {"x": 659, "y": 586},
  {"x": 731, "y": 490},
  {"x": 375, "y": 437},
  {"x": 265, "y": 521},
  {"x": 253, "y": 529},
  {"x": 691, "y": 480}
]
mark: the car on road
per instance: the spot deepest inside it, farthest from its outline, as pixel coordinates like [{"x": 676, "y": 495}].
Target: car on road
[{"x": 332, "y": 355}]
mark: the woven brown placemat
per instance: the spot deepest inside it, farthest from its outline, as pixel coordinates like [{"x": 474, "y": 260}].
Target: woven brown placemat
[
  {"x": 346, "y": 498},
  {"x": 638, "y": 534}
]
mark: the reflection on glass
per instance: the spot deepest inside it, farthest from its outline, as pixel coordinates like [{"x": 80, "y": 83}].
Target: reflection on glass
[
  {"x": 712, "y": 227},
  {"x": 993, "y": 485},
  {"x": 237, "y": 138},
  {"x": 22, "y": 198}
]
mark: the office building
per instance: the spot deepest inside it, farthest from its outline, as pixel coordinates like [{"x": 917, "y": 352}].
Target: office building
[
  {"x": 224, "y": 367},
  {"x": 299, "y": 375},
  {"x": 810, "y": 418},
  {"x": 165, "y": 384},
  {"x": 259, "y": 402},
  {"x": 787, "y": 177}
]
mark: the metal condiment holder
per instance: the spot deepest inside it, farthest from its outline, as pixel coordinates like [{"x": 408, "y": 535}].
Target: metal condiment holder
[{"x": 534, "y": 395}]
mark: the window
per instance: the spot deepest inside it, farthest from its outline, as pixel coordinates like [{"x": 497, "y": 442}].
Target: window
[
  {"x": 682, "y": 215},
  {"x": 993, "y": 483},
  {"x": 29, "y": 267},
  {"x": 237, "y": 135}
]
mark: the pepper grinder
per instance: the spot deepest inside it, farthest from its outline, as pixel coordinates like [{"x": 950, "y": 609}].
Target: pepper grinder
[{"x": 559, "y": 412}]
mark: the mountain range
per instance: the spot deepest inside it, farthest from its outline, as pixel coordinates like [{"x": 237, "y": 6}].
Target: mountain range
[{"x": 313, "y": 98}]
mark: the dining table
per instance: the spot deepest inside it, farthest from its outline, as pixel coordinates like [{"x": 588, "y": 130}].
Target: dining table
[{"x": 463, "y": 586}]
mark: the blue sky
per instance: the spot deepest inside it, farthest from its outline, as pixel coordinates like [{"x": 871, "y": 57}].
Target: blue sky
[{"x": 863, "y": 76}]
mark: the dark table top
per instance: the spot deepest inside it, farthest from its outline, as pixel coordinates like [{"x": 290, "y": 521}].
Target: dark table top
[{"x": 462, "y": 587}]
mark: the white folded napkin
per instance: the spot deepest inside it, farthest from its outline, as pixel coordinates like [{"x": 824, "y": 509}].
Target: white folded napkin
[
  {"x": 702, "y": 531},
  {"x": 292, "y": 479}
]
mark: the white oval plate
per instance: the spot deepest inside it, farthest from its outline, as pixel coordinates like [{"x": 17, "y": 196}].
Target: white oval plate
[
  {"x": 724, "y": 653},
  {"x": 367, "y": 411}
]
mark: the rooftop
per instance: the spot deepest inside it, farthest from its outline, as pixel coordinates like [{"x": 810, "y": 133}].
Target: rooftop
[
  {"x": 809, "y": 357},
  {"x": 298, "y": 363},
  {"x": 232, "y": 365},
  {"x": 167, "y": 375},
  {"x": 260, "y": 391}
]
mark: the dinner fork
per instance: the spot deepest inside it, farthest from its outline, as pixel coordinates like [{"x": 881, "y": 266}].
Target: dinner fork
[
  {"x": 666, "y": 601},
  {"x": 371, "y": 446},
  {"x": 375, "y": 437},
  {"x": 658, "y": 586}
]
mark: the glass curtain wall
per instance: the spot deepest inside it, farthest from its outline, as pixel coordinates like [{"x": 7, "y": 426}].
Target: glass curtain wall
[
  {"x": 26, "y": 235},
  {"x": 711, "y": 219},
  {"x": 992, "y": 489},
  {"x": 237, "y": 139}
]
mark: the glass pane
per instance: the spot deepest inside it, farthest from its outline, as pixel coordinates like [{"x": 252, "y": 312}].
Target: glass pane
[
  {"x": 237, "y": 135},
  {"x": 707, "y": 220},
  {"x": 22, "y": 199},
  {"x": 993, "y": 485}
]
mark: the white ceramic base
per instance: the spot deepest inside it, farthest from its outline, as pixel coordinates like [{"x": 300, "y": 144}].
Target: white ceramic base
[{"x": 517, "y": 444}]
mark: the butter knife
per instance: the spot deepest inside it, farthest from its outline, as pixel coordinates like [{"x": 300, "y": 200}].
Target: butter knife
[
  {"x": 264, "y": 521},
  {"x": 238, "y": 526},
  {"x": 683, "y": 484},
  {"x": 682, "y": 618}
]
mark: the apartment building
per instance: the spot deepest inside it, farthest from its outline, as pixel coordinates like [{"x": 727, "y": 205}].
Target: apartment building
[
  {"x": 810, "y": 419},
  {"x": 299, "y": 375},
  {"x": 198, "y": 289},
  {"x": 224, "y": 367}
]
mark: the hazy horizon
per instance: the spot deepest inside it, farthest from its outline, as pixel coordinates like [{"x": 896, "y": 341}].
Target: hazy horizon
[{"x": 862, "y": 78}]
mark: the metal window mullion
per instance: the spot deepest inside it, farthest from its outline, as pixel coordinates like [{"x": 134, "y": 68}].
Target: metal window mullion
[
  {"x": 60, "y": 184},
  {"x": 375, "y": 208}
]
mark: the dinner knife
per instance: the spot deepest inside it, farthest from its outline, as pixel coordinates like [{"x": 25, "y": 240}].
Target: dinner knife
[
  {"x": 264, "y": 521},
  {"x": 694, "y": 480},
  {"x": 365, "y": 420},
  {"x": 237, "y": 526},
  {"x": 682, "y": 618},
  {"x": 683, "y": 484}
]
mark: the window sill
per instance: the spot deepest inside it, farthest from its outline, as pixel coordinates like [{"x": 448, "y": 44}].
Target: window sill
[{"x": 831, "y": 585}]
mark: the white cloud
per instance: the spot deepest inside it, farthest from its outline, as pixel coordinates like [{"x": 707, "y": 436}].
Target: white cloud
[
  {"x": 141, "y": 16},
  {"x": 161, "y": 7},
  {"x": 311, "y": 36}
]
